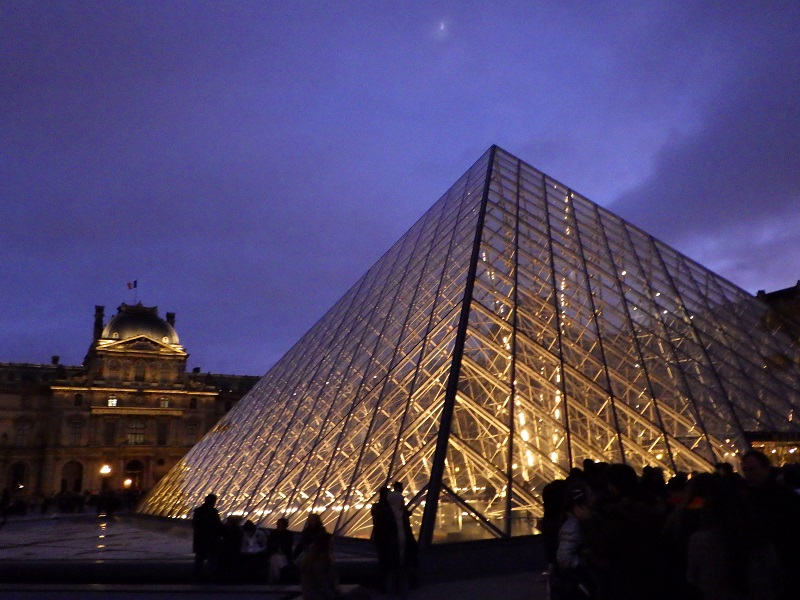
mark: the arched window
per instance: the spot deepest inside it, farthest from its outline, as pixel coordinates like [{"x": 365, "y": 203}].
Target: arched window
[
  {"x": 78, "y": 399},
  {"x": 193, "y": 404}
]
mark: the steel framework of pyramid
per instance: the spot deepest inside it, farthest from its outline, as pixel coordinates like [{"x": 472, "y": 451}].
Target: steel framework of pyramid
[{"x": 514, "y": 331}]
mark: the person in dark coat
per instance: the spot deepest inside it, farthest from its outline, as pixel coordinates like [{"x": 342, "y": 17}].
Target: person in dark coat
[
  {"x": 384, "y": 536},
  {"x": 776, "y": 509},
  {"x": 207, "y": 530},
  {"x": 279, "y": 550}
]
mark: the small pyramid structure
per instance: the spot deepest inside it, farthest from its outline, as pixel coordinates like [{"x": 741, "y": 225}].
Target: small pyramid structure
[{"x": 514, "y": 331}]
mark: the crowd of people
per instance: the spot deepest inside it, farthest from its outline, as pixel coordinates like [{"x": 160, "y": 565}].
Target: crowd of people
[
  {"x": 611, "y": 534},
  {"x": 239, "y": 550},
  {"x": 108, "y": 502}
]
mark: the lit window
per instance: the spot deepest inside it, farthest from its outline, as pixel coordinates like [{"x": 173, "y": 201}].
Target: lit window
[
  {"x": 112, "y": 401},
  {"x": 136, "y": 432},
  {"x": 163, "y": 403}
]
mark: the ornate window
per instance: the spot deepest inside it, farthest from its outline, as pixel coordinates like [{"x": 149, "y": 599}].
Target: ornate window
[
  {"x": 112, "y": 400},
  {"x": 135, "y": 432}
]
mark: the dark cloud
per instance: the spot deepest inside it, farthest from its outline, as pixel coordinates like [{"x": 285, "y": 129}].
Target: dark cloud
[{"x": 728, "y": 192}]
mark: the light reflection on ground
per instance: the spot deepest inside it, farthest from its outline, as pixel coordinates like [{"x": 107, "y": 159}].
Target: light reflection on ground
[{"x": 87, "y": 537}]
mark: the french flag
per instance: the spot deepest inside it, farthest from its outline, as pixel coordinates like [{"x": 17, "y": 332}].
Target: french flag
[{"x": 132, "y": 284}]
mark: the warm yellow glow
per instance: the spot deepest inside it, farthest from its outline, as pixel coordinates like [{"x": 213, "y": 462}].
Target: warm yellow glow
[
  {"x": 525, "y": 435},
  {"x": 127, "y": 483},
  {"x": 105, "y": 470}
]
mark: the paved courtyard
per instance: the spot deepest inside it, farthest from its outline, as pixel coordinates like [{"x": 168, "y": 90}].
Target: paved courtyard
[{"x": 58, "y": 544}]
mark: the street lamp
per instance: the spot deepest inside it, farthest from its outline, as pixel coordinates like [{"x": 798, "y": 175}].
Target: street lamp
[{"x": 105, "y": 471}]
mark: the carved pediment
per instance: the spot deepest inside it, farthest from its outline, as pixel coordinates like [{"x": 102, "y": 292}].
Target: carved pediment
[{"x": 142, "y": 344}]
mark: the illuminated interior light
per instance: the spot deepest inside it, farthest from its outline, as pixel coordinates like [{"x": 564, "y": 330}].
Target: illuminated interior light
[{"x": 525, "y": 435}]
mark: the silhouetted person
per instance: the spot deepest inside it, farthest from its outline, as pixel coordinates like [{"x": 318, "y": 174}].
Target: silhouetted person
[
  {"x": 553, "y": 498},
  {"x": 729, "y": 556},
  {"x": 279, "y": 549},
  {"x": 384, "y": 536},
  {"x": 207, "y": 530},
  {"x": 229, "y": 556},
  {"x": 317, "y": 570},
  {"x": 575, "y": 578},
  {"x": 625, "y": 540},
  {"x": 253, "y": 551},
  {"x": 407, "y": 547},
  {"x": 776, "y": 509}
]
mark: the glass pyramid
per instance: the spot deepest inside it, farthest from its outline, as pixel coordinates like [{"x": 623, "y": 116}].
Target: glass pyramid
[{"x": 514, "y": 331}]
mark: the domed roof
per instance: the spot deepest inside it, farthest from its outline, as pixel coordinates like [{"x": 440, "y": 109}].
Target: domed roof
[{"x": 135, "y": 320}]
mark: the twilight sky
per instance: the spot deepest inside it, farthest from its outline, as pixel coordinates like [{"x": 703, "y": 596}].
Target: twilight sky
[{"x": 247, "y": 162}]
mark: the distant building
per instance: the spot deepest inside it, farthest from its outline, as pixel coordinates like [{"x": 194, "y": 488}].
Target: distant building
[
  {"x": 786, "y": 304},
  {"x": 119, "y": 421}
]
